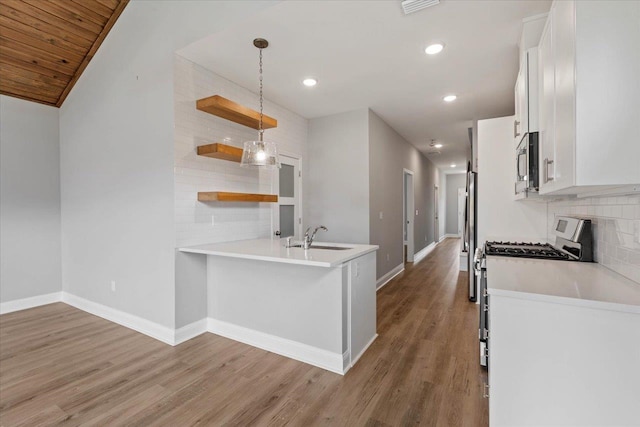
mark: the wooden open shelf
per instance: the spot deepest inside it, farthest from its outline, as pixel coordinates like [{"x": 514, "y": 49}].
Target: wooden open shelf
[
  {"x": 220, "y": 196},
  {"x": 222, "y": 107},
  {"x": 221, "y": 151}
]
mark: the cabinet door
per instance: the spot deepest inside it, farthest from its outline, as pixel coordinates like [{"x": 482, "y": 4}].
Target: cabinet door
[
  {"x": 546, "y": 73},
  {"x": 563, "y": 40},
  {"x": 521, "y": 124}
]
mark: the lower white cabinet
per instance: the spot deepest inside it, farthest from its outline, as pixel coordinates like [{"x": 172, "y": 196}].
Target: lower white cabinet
[{"x": 562, "y": 364}]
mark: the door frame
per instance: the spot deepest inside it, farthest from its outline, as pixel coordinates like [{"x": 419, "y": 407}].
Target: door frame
[
  {"x": 296, "y": 161},
  {"x": 462, "y": 205},
  {"x": 408, "y": 208}
]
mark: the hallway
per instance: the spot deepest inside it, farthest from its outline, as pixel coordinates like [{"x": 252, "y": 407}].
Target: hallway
[{"x": 59, "y": 365}]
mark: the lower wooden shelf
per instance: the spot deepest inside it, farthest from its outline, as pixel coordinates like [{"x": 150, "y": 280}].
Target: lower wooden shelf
[{"x": 221, "y": 196}]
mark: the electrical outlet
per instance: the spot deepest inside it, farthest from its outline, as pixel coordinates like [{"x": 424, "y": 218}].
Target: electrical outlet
[
  {"x": 416, "y": 212},
  {"x": 387, "y": 257},
  {"x": 381, "y": 214},
  {"x": 113, "y": 286}
]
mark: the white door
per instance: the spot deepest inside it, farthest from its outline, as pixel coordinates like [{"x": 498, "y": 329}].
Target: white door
[
  {"x": 287, "y": 212},
  {"x": 409, "y": 204},
  {"x": 462, "y": 200}
]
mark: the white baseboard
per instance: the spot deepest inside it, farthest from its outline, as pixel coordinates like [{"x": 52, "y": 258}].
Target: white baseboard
[
  {"x": 449, "y": 236},
  {"x": 31, "y": 302},
  {"x": 390, "y": 275},
  {"x": 144, "y": 326},
  {"x": 366, "y": 347},
  {"x": 305, "y": 353},
  {"x": 189, "y": 331},
  {"x": 423, "y": 253}
]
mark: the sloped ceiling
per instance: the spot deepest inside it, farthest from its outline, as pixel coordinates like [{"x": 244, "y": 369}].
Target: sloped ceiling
[{"x": 45, "y": 45}]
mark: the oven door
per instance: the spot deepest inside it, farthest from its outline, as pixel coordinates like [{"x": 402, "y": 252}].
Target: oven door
[{"x": 483, "y": 330}]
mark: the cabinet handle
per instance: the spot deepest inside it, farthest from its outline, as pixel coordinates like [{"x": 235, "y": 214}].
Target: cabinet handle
[
  {"x": 545, "y": 166},
  {"x": 515, "y": 128},
  {"x": 485, "y": 391}
]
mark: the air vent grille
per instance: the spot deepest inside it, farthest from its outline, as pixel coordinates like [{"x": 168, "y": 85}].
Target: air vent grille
[{"x": 410, "y": 6}]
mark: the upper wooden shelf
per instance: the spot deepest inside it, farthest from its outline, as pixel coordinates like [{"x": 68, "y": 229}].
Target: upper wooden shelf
[
  {"x": 220, "y": 196},
  {"x": 221, "y": 151},
  {"x": 222, "y": 107}
]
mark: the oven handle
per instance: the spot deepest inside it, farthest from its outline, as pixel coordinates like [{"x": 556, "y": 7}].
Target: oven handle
[{"x": 477, "y": 259}]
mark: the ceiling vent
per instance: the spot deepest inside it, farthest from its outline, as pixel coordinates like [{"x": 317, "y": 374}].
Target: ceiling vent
[{"x": 410, "y": 6}]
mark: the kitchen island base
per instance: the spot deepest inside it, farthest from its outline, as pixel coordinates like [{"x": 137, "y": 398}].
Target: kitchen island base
[{"x": 317, "y": 314}]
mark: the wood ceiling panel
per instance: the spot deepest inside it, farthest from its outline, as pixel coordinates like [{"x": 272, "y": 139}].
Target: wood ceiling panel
[
  {"x": 94, "y": 7},
  {"x": 45, "y": 45}
]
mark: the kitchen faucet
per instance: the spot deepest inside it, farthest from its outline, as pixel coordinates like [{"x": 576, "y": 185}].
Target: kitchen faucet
[{"x": 308, "y": 239}]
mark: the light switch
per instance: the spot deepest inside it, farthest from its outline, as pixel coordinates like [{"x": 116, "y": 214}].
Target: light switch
[
  {"x": 416, "y": 212},
  {"x": 381, "y": 214}
]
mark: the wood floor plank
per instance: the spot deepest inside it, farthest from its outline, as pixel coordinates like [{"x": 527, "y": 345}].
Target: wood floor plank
[{"x": 61, "y": 366}]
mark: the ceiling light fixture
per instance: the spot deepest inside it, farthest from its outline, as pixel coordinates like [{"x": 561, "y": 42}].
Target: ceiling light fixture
[
  {"x": 452, "y": 165},
  {"x": 434, "y": 144},
  {"x": 310, "y": 82},
  {"x": 450, "y": 98},
  {"x": 434, "y": 48},
  {"x": 260, "y": 153}
]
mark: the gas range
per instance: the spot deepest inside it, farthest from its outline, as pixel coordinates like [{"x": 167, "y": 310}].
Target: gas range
[
  {"x": 573, "y": 243},
  {"x": 525, "y": 250}
]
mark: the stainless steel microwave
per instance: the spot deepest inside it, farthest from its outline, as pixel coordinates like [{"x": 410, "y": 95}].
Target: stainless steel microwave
[{"x": 527, "y": 166}]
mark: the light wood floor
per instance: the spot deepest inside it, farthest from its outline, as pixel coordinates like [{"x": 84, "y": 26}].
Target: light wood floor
[{"x": 59, "y": 365}]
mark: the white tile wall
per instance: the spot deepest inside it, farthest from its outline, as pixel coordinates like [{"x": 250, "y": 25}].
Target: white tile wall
[
  {"x": 200, "y": 223},
  {"x": 616, "y": 223}
]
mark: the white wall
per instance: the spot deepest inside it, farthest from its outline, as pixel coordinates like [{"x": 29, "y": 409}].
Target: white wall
[
  {"x": 454, "y": 182},
  {"x": 197, "y": 222},
  {"x": 29, "y": 200},
  {"x": 117, "y": 155},
  {"x": 338, "y": 177},
  {"x": 442, "y": 203},
  {"x": 499, "y": 215}
]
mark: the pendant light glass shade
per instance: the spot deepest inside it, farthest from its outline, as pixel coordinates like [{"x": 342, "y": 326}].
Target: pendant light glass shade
[{"x": 260, "y": 153}]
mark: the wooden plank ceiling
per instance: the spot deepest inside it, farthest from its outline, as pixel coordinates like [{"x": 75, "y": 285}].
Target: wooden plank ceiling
[{"x": 45, "y": 45}]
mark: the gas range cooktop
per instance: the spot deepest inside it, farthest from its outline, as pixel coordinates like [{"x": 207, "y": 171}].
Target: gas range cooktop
[{"x": 525, "y": 250}]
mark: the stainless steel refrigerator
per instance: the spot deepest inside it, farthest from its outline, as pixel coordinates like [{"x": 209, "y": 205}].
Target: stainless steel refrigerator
[{"x": 471, "y": 236}]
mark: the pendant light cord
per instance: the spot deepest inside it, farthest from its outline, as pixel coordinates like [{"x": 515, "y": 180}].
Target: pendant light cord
[{"x": 260, "y": 130}]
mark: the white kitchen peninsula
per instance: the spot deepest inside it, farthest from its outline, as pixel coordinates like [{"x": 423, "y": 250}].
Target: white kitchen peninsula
[{"x": 316, "y": 305}]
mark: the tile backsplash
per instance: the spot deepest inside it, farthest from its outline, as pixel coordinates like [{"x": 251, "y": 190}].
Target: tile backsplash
[
  {"x": 200, "y": 223},
  {"x": 616, "y": 229}
]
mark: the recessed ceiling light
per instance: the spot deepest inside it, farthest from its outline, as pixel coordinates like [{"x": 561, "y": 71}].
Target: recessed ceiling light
[
  {"x": 310, "y": 82},
  {"x": 438, "y": 145},
  {"x": 450, "y": 98},
  {"x": 452, "y": 165},
  {"x": 434, "y": 48}
]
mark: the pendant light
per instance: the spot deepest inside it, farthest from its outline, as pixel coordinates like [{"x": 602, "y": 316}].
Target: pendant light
[{"x": 260, "y": 153}]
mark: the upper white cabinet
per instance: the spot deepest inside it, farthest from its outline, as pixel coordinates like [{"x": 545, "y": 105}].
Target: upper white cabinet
[
  {"x": 589, "y": 63},
  {"x": 526, "y": 96}
]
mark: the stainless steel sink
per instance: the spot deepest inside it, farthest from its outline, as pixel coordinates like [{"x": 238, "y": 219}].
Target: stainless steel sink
[{"x": 330, "y": 248}]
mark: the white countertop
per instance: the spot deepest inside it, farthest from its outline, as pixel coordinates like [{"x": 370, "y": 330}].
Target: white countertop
[
  {"x": 273, "y": 250},
  {"x": 565, "y": 282}
]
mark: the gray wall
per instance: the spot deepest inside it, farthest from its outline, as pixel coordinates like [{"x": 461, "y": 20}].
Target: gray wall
[
  {"x": 117, "y": 157},
  {"x": 29, "y": 200},
  {"x": 389, "y": 154},
  {"x": 337, "y": 187},
  {"x": 454, "y": 181}
]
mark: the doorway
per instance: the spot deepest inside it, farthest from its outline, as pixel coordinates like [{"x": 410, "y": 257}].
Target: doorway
[
  {"x": 408, "y": 215},
  {"x": 287, "y": 213},
  {"x": 436, "y": 222}
]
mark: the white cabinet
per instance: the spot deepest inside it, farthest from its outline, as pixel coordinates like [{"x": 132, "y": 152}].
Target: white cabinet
[
  {"x": 526, "y": 96},
  {"x": 561, "y": 364},
  {"x": 589, "y": 60}
]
